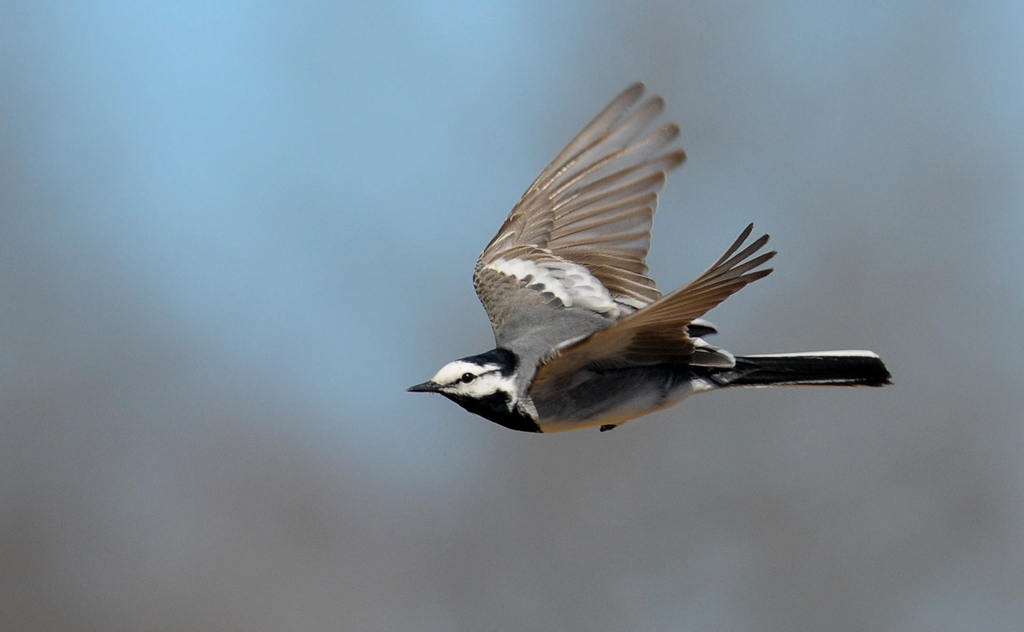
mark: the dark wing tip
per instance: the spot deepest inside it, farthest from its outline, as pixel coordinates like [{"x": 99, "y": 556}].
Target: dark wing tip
[
  {"x": 675, "y": 158},
  {"x": 634, "y": 89}
]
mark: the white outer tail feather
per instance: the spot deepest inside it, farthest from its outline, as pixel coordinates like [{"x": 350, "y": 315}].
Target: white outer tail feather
[{"x": 815, "y": 368}]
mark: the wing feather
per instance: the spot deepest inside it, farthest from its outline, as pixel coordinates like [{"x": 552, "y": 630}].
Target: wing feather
[
  {"x": 592, "y": 206},
  {"x": 591, "y": 133},
  {"x": 657, "y": 333}
]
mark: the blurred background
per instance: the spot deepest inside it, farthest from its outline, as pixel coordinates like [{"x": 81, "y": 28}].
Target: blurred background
[{"x": 232, "y": 233}]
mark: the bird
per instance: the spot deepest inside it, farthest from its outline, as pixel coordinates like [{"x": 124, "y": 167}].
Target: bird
[{"x": 583, "y": 337}]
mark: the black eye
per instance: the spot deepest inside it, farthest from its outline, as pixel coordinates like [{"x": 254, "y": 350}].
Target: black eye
[{"x": 468, "y": 377}]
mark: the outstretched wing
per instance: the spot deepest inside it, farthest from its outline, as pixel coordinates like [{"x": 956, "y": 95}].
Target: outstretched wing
[
  {"x": 657, "y": 333},
  {"x": 581, "y": 232}
]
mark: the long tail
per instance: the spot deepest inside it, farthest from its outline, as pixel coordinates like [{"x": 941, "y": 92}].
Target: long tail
[{"x": 817, "y": 368}]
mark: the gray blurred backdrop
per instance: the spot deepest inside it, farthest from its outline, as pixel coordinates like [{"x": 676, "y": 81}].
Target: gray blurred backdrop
[{"x": 232, "y": 233}]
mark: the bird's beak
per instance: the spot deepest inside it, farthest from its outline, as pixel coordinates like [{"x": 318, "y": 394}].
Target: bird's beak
[{"x": 426, "y": 387}]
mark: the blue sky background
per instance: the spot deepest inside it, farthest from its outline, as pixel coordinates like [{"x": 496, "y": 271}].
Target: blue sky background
[{"x": 231, "y": 234}]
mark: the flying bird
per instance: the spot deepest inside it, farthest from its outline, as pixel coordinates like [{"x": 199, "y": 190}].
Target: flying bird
[{"x": 583, "y": 336}]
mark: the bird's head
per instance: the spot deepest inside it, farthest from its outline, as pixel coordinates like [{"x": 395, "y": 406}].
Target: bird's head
[
  {"x": 474, "y": 378},
  {"x": 485, "y": 385}
]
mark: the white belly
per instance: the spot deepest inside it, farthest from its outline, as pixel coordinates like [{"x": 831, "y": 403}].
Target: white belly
[{"x": 608, "y": 404}]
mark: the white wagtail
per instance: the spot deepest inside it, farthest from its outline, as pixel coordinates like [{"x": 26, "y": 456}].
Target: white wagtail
[{"x": 583, "y": 336}]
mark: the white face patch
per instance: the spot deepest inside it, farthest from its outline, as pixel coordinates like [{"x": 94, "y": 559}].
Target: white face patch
[
  {"x": 453, "y": 371},
  {"x": 568, "y": 282},
  {"x": 486, "y": 380}
]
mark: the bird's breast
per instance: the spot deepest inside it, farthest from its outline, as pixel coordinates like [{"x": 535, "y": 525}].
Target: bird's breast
[{"x": 611, "y": 397}]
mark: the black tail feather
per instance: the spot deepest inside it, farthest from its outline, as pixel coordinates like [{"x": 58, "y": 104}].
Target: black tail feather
[{"x": 823, "y": 368}]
